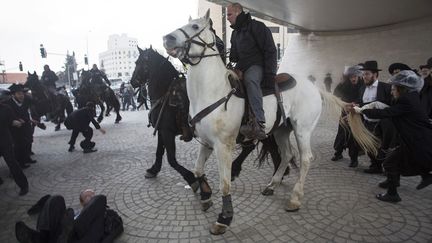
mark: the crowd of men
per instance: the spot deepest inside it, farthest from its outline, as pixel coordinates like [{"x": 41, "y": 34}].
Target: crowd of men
[{"x": 399, "y": 113}]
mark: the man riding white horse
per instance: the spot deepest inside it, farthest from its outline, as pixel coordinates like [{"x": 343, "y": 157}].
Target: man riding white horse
[{"x": 254, "y": 51}]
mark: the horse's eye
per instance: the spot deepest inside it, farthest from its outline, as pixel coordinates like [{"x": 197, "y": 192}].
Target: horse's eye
[{"x": 195, "y": 26}]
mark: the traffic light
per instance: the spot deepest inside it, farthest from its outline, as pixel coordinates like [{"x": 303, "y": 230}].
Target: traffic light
[
  {"x": 85, "y": 60},
  {"x": 20, "y": 66},
  {"x": 43, "y": 51}
]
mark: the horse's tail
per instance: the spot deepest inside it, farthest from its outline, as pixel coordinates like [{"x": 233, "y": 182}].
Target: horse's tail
[
  {"x": 269, "y": 146},
  {"x": 365, "y": 139}
]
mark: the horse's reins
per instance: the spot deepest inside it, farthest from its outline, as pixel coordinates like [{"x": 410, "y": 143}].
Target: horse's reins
[{"x": 190, "y": 40}]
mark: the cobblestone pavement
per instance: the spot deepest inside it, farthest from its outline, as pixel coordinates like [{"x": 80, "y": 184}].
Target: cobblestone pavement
[{"x": 339, "y": 203}]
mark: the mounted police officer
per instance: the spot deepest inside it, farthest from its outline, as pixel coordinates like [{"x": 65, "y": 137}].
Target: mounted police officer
[
  {"x": 97, "y": 76},
  {"x": 254, "y": 51},
  {"x": 49, "y": 79}
]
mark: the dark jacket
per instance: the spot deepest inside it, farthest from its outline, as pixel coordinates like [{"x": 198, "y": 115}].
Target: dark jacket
[
  {"x": 252, "y": 44},
  {"x": 348, "y": 92},
  {"x": 80, "y": 119},
  {"x": 97, "y": 77},
  {"x": 414, "y": 129},
  {"x": 383, "y": 93},
  {"x": 21, "y": 112},
  {"x": 49, "y": 78},
  {"x": 6, "y": 118},
  {"x": 426, "y": 96}
]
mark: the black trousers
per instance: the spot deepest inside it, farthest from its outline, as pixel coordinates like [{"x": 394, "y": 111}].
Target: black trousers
[
  {"x": 9, "y": 156},
  {"x": 87, "y": 133},
  {"x": 88, "y": 226},
  {"x": 23, "y": 140},
  {"x": 384, "y": 130},
  {"x": 375, "y": 162},
  {"x": 344, "y": 139}
]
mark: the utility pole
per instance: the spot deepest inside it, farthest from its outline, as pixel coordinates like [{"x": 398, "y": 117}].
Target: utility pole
[{"x": 224, "y": 37}]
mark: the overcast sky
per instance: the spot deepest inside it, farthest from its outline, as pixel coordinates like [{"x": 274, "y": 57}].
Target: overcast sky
[{"x": 69, "y": 25}]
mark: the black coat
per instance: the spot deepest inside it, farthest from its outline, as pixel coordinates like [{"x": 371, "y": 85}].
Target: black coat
[
  {"x": 80, "y": 119},
  {"x": 426, "y": 96},
  {"x": 252, "y": 44},
  {"x": 6, "y": 118},
  {"x": 383, "y": 93},
  {"x": 49, "y": 78},
  {"x": 25, "y": 132},
  {"x": 414, "y": 129}
]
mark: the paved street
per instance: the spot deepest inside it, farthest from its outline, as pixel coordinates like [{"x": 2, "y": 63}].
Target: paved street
[{"x": 339, "y": 203}]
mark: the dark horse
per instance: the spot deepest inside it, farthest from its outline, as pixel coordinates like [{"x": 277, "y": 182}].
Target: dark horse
[
  {"x": 159, "y": 73},
  {"x": 98, "y": 94},
  {"x": 43, "y": 102},
  {"x": 164, "y": 86}
]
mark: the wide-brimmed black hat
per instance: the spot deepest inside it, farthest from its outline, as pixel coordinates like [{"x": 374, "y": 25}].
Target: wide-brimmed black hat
[
  {"x": 371, "y": 66},
  {"x": 17, "y": 87},
  {"x": 398, "y": 65}
]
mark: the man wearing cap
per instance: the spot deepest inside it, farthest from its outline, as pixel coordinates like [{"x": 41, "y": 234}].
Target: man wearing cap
[
  {"x": 374, "y": 90},
  {"x": 78, "y": 121},
  {"x": 49, "y": 79},
  {"x": 6, "y": 144},
  {"x": 397, "y": 67},
  {"x": 349, "y": 91},
  {"x": 23, "y": 135},
  {"x": 426, "y": 92},
  {"x": 413, "y": 156}
]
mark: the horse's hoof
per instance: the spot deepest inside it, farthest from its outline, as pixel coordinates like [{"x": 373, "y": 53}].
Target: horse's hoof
[
  {"x": 195, "y": 186},
  {"x": 149, "y": 175},
  {"x": 291, "y": 207},
  {"x": 116, "y": 122},
  {"x": 206, "y": 205},
  {"x": 218, "y": 229},
  {"x": 267, "y": 192}
]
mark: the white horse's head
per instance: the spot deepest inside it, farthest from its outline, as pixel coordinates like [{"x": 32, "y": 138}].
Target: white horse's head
[{"x": 191, "y": 41}]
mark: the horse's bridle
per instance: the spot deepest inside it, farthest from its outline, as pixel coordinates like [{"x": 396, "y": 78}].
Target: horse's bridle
[{"x": 190, "y": 40}]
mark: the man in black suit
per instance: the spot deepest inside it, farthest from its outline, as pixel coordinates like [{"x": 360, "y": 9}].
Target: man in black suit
[
  {"x": 23, "y": 135},
  {"x": 6, "y": 145},
  {"x": 374, "y": 90},
  {"x": 79, "y": 122}
]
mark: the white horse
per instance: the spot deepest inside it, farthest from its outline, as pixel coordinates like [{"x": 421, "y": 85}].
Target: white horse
[{"x": 207, "y": 82}]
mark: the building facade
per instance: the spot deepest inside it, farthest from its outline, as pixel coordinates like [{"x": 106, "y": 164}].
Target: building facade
[{"x": 118, "y": 61}]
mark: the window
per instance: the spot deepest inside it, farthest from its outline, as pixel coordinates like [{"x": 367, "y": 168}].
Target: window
[
  {"x": 274, "y": 29},
  {"x": 126, "y": 74},
  {"x": 119, "y": 74}
]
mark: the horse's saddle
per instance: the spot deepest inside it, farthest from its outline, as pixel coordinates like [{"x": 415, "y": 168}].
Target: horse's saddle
[{"x": 284, "y": 82}]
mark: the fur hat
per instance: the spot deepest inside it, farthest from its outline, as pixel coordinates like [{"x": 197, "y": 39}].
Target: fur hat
[
  {"x": 353, "y": 71},
  {"x": 408, "y": 79}
]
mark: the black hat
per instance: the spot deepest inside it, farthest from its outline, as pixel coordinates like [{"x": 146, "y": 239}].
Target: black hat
[
  {"x": 17, "y": 87},
  {"x": 429, "y": 61},
  {"x": 399, "y": 66},
  {"x": 371, "y": 66}
]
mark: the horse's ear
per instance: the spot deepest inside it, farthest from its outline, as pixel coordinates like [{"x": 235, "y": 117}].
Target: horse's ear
[
  {"x": 151, "y": 48},
  {"x": 190, "y": 18},
  {"x": 28, "y": 72},
  {"x": 207, "y": 15},
  {"x": 34, "y": 73},
  {"x": 139, "y": 49}
]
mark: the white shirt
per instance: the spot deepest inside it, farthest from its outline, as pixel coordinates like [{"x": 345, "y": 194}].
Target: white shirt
[{"x": 370, "y": 95}]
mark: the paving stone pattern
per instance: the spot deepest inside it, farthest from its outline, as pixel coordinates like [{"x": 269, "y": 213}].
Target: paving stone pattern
[{"x": 339, "y": 203}]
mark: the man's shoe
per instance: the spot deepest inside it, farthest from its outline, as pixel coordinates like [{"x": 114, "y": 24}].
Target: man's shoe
[
  {"x": 71, "y": 148},
  {"x": 25, "y": 234},
  {"x": 149, "y": 175},
  {"x": 424, "y": 182},
  {"x": 389, "y": 198},
  {"x": 86, "y": 151},
  {"x": 353, "y": 164},
  {"x": 23, "y": 191},
  {"x": 336, "y": 157},
  {"x": 41, "y": 125},
  {"x": 373, "y": 170},
  {"x": 37, "y": 208}
]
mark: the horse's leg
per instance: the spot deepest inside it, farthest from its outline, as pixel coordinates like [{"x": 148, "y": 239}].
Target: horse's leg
[
  {"x": 205, "y": 190},
  {"x": 303, "y": 135},
  {"x": 156, "y": 167},
  {"x": 101, "y": 115},
  {"x": 281, "y": 136},
  {"x": 108, "y": 109},
  {"x": 116, "y": 106},
  {"x": 170, "y": 146},
  {"x": 237, "y": 163},
  {"x": 224, "y": 157}
]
